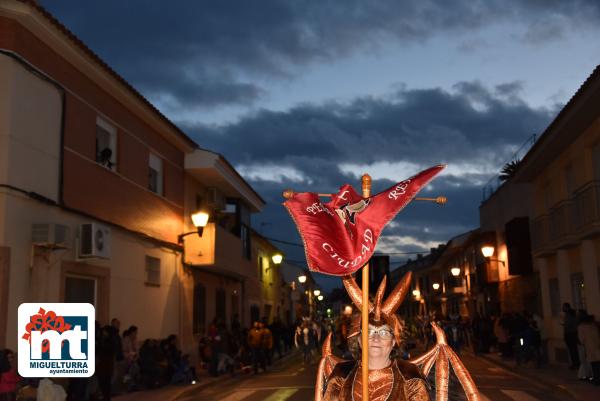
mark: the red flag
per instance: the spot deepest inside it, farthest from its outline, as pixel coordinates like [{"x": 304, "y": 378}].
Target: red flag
[{"x": 340, "y": 236}]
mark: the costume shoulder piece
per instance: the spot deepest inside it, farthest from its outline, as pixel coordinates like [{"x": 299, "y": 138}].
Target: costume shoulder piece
[
  {"x": 330, "y": 378},
  {"x": 409, "y": 370}
]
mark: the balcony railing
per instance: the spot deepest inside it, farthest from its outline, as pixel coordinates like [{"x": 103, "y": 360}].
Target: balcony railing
[{"x": 569, "y": 221}]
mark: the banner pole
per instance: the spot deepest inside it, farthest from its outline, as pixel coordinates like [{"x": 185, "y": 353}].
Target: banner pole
[{"x": 366, "y": 192}]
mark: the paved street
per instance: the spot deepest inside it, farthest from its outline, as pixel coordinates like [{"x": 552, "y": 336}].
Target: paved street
[{"x": 292, "y": 381}]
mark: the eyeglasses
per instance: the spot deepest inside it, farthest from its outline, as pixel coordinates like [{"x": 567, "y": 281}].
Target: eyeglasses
[{"x": 382, "y": 333}]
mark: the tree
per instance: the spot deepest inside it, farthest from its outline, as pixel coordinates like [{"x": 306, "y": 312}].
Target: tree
[{"x": 509, "y": 170}]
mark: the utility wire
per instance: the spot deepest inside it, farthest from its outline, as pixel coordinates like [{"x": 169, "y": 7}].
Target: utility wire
[{"x": 376, "y": 253}]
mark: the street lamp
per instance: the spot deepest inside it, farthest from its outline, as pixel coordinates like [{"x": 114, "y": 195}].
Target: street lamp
[
  {"x": 416, "y": 293},
  {"x": 455, "y": 271},
  {"x": 436, "y": 286},
  {"x": 487, "y": 251},
  {"x": 200, "y": 220},
  {"x": 277, "y": 258},
  {"x": 317, "y": 292},
  {"x": 302, "y": 279},
  {"x": 320, "y": 297}
]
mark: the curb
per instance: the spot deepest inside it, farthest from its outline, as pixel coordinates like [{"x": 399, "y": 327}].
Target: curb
[{"x": 530, "y": 376}]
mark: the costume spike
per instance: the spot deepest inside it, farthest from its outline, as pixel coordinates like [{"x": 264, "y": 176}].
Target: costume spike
[
  {"x": 379, "y": 298},
  {"x": 442, "y": 375},
  {"x": 354, "y": 292},
  {"x": 398, "y": 294}
]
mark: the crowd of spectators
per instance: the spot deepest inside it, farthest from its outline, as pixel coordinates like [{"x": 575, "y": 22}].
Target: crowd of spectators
[{"x": 520, "y": 337}]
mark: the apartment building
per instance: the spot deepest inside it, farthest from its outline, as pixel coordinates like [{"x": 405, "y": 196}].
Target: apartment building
[
  {"x": 97, "y": 187},
  {"x": 563, "y": 169}
]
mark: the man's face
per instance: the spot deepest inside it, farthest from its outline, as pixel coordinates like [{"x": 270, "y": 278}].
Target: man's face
[{"x": 381, "y": 341}]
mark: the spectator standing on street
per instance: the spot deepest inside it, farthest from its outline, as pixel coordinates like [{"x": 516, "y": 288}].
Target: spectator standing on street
[
  {"x": 501, "y": 333},
  {"x": 105, "y": 361},
  {"x": 267, "y": 342},
  {"x": 304, "y": 339},
  {"x": 589, "y": 336},
  {"x": 277, "y": 332},
  {"x": 255, "y": 344},
  {"x": 570, "y": 334},
  {"x": 120, "y": 364},
  {"x": 8, "y": 376}
]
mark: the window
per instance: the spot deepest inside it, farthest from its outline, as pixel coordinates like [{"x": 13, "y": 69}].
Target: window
[
  {"x": 80, "y": 289},
  {"x": 152, "y": 271},
  {"x": 254, "y": 313},
  {"x": 260, "y": 268},
  {"x": 220, "y": 304},
  {"x": 570, "y": 180},
  {"x": 577, "y": 289},
  {"x": 554, "y": 296},
  {"x": 199, "y": 310},
  {"x": 245, "y": 237},
  {"x": 106, "y": 144},
  {"x": 235, "y": 304},
  {"x": 155, "y": 174}
]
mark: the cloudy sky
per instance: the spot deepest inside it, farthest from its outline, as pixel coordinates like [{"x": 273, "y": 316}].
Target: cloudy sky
[{"x": 311, "y": 94}]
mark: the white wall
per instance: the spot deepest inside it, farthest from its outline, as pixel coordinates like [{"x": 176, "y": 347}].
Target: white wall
[{"x": 30, "y": 124}]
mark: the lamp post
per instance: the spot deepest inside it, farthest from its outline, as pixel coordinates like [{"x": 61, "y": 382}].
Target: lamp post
[
  {"x": 277, "y": 258},
  {"x": 488, "y": 251},
  {"x": 200, "y": 220}
]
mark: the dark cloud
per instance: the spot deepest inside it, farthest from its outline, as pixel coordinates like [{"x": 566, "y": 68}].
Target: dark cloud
[
  {"x": 210, "y": 53},
  {"x": 473, "y": 127},
  {"x": 425, "y": 126}
]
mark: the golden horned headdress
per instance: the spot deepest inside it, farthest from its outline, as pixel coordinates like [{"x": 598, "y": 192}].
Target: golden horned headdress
[{"x": 381, "y": 311}]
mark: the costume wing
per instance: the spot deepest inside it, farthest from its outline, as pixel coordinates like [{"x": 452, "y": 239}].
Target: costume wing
[
  {"x": 443, "y": 357},
  {"x": 326, "y": 366}
]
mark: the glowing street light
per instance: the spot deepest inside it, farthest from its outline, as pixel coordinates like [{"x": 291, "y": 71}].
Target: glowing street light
[
  {"x": 302, "y": 279},
  {"x": 436, "y": 286},
  {"x": 455, "y": 271},
  {"x": 487, "y": 251},
  {"x": 320, "y": 297},
  {"x": 416, "y": 293},
  {"x": 317, "y": 292},
  {"x": 277, "y": 258},
  {"x": 200, "y": 220}
]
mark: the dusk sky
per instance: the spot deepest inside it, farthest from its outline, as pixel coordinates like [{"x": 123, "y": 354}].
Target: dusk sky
[{"x": 311, "y": 94}]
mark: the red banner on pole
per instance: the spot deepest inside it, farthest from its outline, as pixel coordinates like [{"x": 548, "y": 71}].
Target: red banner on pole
[{"x": 340, "y": 236}]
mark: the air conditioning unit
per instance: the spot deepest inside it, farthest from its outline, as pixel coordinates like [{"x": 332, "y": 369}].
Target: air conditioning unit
[
  {"x": 216, "y": 200},
  {"x": 50, "y": 235},
  {"x": 94, "y": 241}
]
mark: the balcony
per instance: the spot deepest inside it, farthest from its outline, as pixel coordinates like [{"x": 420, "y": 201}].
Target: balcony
[
  {"x": 220, "y": 250},
  {"x": 568, "y": 222}
]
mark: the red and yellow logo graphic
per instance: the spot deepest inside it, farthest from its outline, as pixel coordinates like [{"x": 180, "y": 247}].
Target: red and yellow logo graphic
[{"x": 44, "y": 321}]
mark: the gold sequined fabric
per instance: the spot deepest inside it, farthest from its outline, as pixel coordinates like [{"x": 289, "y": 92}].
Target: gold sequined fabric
[
  {"x": 381, "y": 382},
  {"x": 387, "y": 384}
]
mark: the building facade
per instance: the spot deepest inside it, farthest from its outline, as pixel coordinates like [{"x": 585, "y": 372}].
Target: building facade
[
  {"x": 96, "y": 188},
  {"x": 563, "y": 169}
]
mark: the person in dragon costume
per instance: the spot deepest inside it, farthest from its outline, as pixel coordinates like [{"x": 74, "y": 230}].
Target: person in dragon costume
[{"x": 390, "y": 378}]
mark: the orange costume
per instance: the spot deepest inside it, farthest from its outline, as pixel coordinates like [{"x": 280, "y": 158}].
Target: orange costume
[{"x": 339, "y": 380}]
